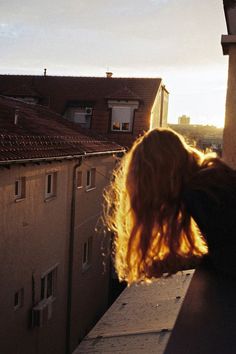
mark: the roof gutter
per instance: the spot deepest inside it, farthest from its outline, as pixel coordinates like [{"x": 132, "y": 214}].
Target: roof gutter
[{"x": 68, "y": 157}]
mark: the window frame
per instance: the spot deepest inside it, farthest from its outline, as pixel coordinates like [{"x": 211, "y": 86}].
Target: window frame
[
  {"x": 50, "y": 276},
  {"x": 122, "y": 104},
  {"x": 79, "y": 178},
  {"x": 121, "y": 123},
  {"x": 84, "y": 111},
  {"x": 53, "y": 184},
  {"x": 20, "y": 185},
  {"x": 20, "y": 296},
  {"x": 91, "y": 179}
]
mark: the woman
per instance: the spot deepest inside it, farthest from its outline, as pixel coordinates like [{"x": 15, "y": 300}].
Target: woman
[{"x": 168, "y": 206}]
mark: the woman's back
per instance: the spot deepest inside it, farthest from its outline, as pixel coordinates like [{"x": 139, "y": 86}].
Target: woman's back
[
  {"x": 161, "y": 187},
  {"x": 210, "y": 198}
]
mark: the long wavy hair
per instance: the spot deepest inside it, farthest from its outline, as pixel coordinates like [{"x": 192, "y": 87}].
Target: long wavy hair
[{"x": 153, "y": 232}]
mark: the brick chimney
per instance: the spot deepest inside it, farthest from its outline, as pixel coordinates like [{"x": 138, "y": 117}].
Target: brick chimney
[{"x": 109, "y": 74}]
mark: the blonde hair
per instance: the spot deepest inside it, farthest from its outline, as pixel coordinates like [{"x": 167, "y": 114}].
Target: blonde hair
[{"x": 154, "y": 234}]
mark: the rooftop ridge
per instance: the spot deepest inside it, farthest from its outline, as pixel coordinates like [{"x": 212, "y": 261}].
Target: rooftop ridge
[{"x": 86, "y": 77}]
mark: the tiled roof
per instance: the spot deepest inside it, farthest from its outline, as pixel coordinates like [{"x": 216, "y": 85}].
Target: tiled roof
[
  {"x": 41, "y": 134},
  {"x": 124, "y": 94},
  {"x": 23, "y": 90},
  {"x": 57, "y": 91}
]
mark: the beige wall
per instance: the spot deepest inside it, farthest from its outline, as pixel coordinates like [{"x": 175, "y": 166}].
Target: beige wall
[
  {"x": 35, "y": 237},
  {"x": 160, "y": 109},
  {"x": 90, "y": 285},
  {"x": 165, "y": 105}
]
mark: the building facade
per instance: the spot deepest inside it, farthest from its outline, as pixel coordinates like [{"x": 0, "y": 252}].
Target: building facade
[
  {"x": 120, "y": 108},
  {"x": 53, "y": 281}
]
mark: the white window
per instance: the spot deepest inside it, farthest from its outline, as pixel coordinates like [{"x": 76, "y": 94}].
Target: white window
[
  {"x": 91, "y": 179},
  {"x": 122, "y": 118},
  {"x": 20, "y": 188},
  {"x": 50, "y": 185},
  {"x": 87, "y": 253},
  {"x": 81, "y": 115},
  {"x": 48, "y": 284},
  {"x": 18, "y": 299},
  {"x": 122, "y": 114},
  {"x": 79, "y": 179}
]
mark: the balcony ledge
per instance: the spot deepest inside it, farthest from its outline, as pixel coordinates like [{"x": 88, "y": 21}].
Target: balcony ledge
[{"x": 140, "y": 321}]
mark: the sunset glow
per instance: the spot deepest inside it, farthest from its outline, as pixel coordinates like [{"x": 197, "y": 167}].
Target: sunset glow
[{"x": 178, "y": 40}]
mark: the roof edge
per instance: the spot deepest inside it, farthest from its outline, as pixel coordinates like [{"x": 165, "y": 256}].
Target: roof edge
[{"x": 58, "y": 158}]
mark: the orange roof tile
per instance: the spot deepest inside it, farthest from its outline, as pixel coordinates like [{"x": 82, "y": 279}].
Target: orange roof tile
[{"x": 41, "y": 133}]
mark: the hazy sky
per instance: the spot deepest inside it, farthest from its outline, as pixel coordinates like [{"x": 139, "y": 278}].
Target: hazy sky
[{"x": 178, "y": 40}]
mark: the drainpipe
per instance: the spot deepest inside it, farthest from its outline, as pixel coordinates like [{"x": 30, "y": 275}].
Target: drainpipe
[{"x": 71, "y": 258}]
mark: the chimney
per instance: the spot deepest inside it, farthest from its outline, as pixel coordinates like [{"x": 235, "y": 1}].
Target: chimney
[
  {"x": 16, "y": 116},
  {"x": 109, "y": 74},
  {"x": 45, "y": 72}
]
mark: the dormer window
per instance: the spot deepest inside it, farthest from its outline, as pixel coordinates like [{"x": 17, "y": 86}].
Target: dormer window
[
  {"x": 122, "y": 118},
  {"x": 80, "y": 114},
  {"x": 122, "y": 115}
]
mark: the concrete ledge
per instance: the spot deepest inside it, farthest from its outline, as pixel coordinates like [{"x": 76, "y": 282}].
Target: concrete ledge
[
  {"x": 140, "y": 320},
  {"x": 206, "y": 323}
]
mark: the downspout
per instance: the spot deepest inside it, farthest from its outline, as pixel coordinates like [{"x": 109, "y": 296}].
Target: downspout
[{"x": 71, "y": 258}]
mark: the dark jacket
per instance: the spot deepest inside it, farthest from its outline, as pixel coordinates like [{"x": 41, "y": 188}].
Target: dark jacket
[{"x": 210, "y": 198}]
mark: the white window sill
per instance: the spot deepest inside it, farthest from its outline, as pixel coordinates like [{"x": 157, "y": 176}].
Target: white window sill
[
  {"x": 49, "y": 199},
  {"x": 88, "y": 189},
  {"x": 48, "y": 300},
  {"x": 80, "y": 187},
  {"x": 18, "y": 307},
  {"x": 17, "y": 200}
]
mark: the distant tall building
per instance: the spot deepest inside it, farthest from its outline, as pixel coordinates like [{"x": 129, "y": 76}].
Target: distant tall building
[{"x": 184, "y": 120}]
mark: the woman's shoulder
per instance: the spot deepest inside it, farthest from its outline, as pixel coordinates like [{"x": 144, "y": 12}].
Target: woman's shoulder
[{"x": 216, "y": 174}]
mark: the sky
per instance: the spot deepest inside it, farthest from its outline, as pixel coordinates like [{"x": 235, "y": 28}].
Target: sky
[{"x": 177, "y": 40}]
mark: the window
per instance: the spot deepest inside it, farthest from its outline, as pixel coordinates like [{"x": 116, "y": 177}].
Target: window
[
  {"x": 18, "y": 299},
  {"x": 90, "y": 179},
  {"x": 50, "y": 187},
  {"x": 79, "y": 181},
  {"x": 48, "y": 284},
  {"x": 87, "y": 253},
  {"x": 122, "y": 114},
  {"x": 80, "y": 114},
  {"x": 20, "y": 188},
  {"x": 122, "y": 118}
]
